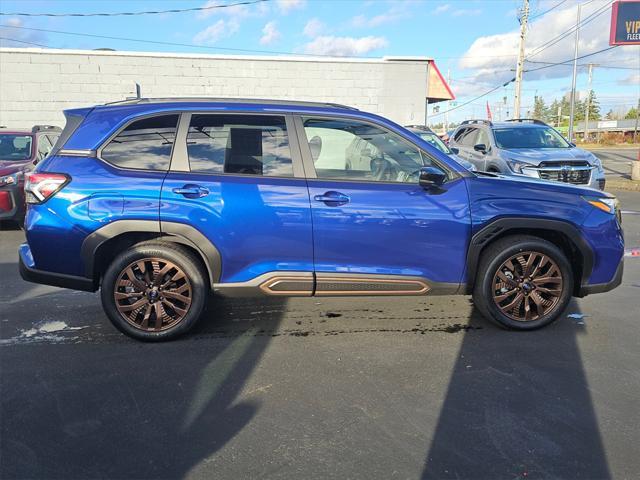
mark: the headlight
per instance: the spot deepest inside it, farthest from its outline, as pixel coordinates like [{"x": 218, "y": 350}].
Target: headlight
[
  {"x": 608, "y": 205},
  {"x": 10, "y": 179},
  {"x": 518, "y": 167}
]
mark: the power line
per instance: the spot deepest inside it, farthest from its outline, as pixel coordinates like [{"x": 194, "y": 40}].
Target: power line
[
  {"x": 547, "y": 11},
  {"x": 566, "y": 62},
  {"x": 583, "y": 65},
  {"x": 129, "y": 14},
  {"x": 173, "y": 44},
  {"x": 476, "y": 98},
  {"x": 566, "y": 33},
  {"x": 23, "y": 41}
]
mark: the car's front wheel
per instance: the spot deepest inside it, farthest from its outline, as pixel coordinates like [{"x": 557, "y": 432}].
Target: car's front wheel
[
  {"x": 154, "y": 291},
  {"x": 523, "y": 282}
]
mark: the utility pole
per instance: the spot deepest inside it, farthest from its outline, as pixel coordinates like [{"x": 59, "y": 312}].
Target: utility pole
[
  {"x": 635, "y": 130},
  {"x": 573, "y": 78},
  {"x": 446, "y": 112},
  {"x": 586, "y": 113},
  {"x": 520, "y": 65}
]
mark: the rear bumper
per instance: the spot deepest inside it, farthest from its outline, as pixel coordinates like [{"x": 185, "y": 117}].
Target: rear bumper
[
  {"x": 31, "y": 274},
  {"x": 604, "y": 287}
]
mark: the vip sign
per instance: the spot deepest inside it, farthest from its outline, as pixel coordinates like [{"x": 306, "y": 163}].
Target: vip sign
[{"x": 625, "y": 23}]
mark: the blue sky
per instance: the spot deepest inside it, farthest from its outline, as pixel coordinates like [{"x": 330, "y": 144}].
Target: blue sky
[{"x": 475, "y": 41}]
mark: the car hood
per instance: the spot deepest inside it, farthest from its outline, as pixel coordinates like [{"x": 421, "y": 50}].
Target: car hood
[
  {"x": 7, "y": 168},
  {"x": 538, "y": 186},
  {"x": 537, "y": 155}
]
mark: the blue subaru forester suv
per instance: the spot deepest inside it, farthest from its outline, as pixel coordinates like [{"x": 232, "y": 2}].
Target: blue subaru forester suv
[{"x": 157, "y": 202}]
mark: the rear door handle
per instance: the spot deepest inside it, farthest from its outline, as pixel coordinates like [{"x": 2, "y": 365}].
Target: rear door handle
[
  {"x": 332, "y": 198},
  {"x": 191, "y": 191}
]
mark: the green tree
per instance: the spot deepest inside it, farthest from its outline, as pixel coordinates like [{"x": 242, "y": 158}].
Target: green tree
[
  {"x": 594, "y": 106},
  {"x": 539, "y": 108},
  {"x": 632, "y": 114}
]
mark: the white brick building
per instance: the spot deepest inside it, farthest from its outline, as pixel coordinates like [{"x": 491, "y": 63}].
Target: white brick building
[{"x": 37, "y": 84}]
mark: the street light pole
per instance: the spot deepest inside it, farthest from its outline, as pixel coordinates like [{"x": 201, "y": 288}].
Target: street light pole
[
  {"x": 573, "y": 78},
  {"x": 586, "y": 113},
  {"x": 520, "y": 65}
]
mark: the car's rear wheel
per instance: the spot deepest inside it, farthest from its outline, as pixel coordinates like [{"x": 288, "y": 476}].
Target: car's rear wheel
[
  {"x": 154, "y": 291},
  {"x": 523, "y": 282}
]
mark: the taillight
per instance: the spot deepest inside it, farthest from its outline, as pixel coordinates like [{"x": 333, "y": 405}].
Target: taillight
[{"x": 38, "y": 187}]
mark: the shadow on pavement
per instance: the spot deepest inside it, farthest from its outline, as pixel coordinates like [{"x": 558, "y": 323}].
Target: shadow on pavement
[
  {"x": 170, "y": 409},
  {"x": 518, "y": 406}
]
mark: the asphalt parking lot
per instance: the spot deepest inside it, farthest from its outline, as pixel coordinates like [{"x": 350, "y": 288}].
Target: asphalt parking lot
[{"x": 320, "y": 388}]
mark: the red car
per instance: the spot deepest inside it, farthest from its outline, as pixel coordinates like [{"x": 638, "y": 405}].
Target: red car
[{"x": 20, "y": 150}]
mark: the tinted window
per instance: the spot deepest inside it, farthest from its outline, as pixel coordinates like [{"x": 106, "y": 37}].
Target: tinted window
[
  {"x": 460, "y": 134},
  {"x": 469, "y": 138},
  {"x": 435, "y": 141},
  {"x": 145, "y": 144},
  {"x": 239, "y": 144},
  {"x": 529, "y": 137},
  {"x": 15, "y": 147},
  {"x": 44, "y": 147},
  {"x": 349, "y": 150}
]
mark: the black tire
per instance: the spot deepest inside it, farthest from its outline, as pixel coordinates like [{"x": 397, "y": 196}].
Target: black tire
[
  {"x": 191, "y": 274},
  {"x": 485, "y": 295}
]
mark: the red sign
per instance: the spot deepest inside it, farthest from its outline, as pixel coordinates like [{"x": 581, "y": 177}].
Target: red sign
[{"x": 625, "y": 23}]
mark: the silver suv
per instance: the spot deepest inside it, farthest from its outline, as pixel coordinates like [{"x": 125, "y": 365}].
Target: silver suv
[{"x": 526, "y": 147}]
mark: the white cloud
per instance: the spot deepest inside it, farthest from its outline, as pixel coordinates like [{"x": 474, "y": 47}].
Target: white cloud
[
  {"x": 270, "y": 34},
  {"x": 464, "y": 12},
  {"x": 442, "y": 8},
  {"x": 234, "y": 11},
  {"x": 17, "y": 34},
  {"x": 494, "y": 56},
  {"x": 285, "y": 6},
  {"x": 343, "y": 46},
  {"x": 218, "y": 30},
  {"x": 313, "y": 28},
  {"x": 396, "y": 12}
]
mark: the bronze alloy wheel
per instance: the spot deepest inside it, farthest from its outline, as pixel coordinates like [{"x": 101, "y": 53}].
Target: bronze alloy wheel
[
  {"x": 153, "y": 294},
  {"x": 527, "y": 286}
]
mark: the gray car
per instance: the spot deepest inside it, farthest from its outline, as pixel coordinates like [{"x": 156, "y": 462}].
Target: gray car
[
  {"x": 526, "y": 147},
  {"x": 431, "y": 137}
]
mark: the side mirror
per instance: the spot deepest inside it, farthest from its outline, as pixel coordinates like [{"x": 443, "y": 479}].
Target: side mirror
[
  {"x": 455, "y": 150},
  {"x": 431, "y": 177},
  {"x": 480, "y": 147}
]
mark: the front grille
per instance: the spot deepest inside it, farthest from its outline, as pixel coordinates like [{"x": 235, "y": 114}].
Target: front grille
[
  {"x": 577, "y": 177},
  {"x": 575, "y": 172}
]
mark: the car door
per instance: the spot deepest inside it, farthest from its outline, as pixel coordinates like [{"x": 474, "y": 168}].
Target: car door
[
  {"x": 375, "y": 222},
  {"x": 237, "y": 179},
  {"x": 478, "y": 159}
]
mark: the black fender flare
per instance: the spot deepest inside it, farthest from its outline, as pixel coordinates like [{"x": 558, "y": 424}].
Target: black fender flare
[
  {"x": 167, "y": 231},
  {"x": 502, "y": 226}
]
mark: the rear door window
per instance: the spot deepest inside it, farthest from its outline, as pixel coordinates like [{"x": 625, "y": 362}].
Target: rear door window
[
  {"x": 239, "y": 145},
  {"x": 144, "y": 145},
  {"x": 469, "y": 139}
]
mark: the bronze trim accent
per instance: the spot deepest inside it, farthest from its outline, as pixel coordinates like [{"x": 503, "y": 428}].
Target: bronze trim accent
[
  {"x": 422, "y": 289},
  {"x": 152, "y": 294},
  {"x": 267, "y": 287},
  {"x": 527, "y": 286}
]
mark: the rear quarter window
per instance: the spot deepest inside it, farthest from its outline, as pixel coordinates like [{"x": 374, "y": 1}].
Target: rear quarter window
[{"x": 144, "y": 144}]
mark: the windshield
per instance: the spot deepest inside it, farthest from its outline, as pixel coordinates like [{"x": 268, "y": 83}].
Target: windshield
[
  {"x": 434, "y": 140},
  {"x": 15, "y": 147},
  {"x": 529, "y": 137}
]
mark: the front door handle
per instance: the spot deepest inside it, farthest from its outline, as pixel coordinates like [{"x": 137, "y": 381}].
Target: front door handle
[
  {"x": 332, "y": 198},
  {"x": 191, "y": 191}
]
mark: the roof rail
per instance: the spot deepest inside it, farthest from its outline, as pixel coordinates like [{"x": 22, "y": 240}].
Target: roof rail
[
  {"x": 40, "y": 128},
  {"x": 526, "y": 120},
  {"x": 485, "y": 122},
  {"x": 136, "y": 101},
  {"x": 419, "y": 127}
]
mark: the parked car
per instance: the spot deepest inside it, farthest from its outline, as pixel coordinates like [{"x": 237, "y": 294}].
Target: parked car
[
  {"x": 430, "y": 136},
  {"x": 158, "y": 202},
  {"x": 526, "y": 147},
  {"x": 20, "y": 149}
]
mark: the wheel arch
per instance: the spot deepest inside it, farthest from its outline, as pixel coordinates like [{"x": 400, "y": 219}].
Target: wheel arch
[
  {"x": 109, "y": 240},
  {"x": 564, "y": 235}
]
